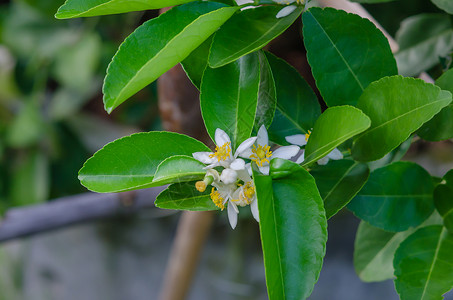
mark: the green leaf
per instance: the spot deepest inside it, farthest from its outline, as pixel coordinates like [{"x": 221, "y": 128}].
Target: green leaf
[
  {"x": 179, "y": 168},
  {"x": 297, "y": 105},
  {"x": 130, "y": 163},
  {"x": 440, "y": 127},
  {"x": 371, "y": 1},
  {"x": 424, "y": 265},
  {"x": 333, "y": 127},
  {"x": 422, "y": 40},
  {"x": 267, "y": 97},
  {"x": 338, "y": 182},
  {"x": 443, "y": 200},
  {"x": 446, "y": 5},
  {"x": 195, "y": 64},
  {"x": 289, "y": 208},
  {"x": 248, "y": 31},
  {"x": 338, "y": 49},
  {"x": 397, "y": 107},
  {"x": 27, "y": 128},
  {"x": 159, "y": 44},
  {"x": 229, "y": 98},
  {"x": 89, "y": 8},
  {"x": 184, "y": 196},
  {"x": 395, "y": 197},
  {"x": 375, "y": 248}
]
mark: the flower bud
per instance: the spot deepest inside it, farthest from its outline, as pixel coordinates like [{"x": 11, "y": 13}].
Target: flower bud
[{"x": 228, "y": 176}]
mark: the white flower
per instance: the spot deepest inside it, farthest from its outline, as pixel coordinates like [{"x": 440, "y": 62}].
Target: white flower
[
  {"x": 302, "y": 139},
  {"x": 243, "y": 196},
  {"x": 229, "y": 176},
  {"x": 222, "y": 156},
  {"x": 261, "y": 154}
]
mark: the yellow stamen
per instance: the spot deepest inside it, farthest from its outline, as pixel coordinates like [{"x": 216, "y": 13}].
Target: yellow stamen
[
  {"x": 261, "y": 154},
  {"x": 249, "y": 191},
  {"x": 222, "y": 153},
  {"x": 200, "y": 186},
  {"x": 217, "y": 199},
  {"x": 307, "y": 135}
]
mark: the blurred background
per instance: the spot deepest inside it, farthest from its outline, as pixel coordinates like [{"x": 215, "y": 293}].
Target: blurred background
[{"x": 52, "y": 120}]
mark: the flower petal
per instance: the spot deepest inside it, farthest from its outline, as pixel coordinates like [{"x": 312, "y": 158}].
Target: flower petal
[
  {"x": 248, "y": 167},
  {"x": 244, "y": 175},
  {"x": 254, "y": 209},
  {"x": 204, "y": 157},
  {"x": 323, "y": 161},
  {"x": 335, "y": 154},
  {"x": 245, "y": 145},
  {"x": 262, "y": 138},
  {"x": 301, "y": 158},
  {"x": 232, "y": 214},
  {"x": 285, "y": 152},
  {"x": 238, "y": 164},
  {"x": 285, "y": 11},
  {"x": 221, "y": 137},
  {"x": 246, "y": 153},
  {"x": 228, "y": 176},
  {"x": 264, "y": 169},
  {"x": 297, "y": 139}
]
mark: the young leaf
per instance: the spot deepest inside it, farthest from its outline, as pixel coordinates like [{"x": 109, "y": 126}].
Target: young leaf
[
  {"x": 178, "y": 168},
  {"x": 297, "y": 105},
  {"x": 338, "y": 182},
  {"x": 130, "y": 163},
  {"x": 424, "y": 265},
  {"x": 229, "y": 98},
  {"x": 422, "y": 40},
  {"x": 293, "y": 231},
  {"x": 446, "y": 5},
  {"x": 333, "y": 127},
  {"x": 397, "y": 106},
  {"x": 395, "y": 197},
  {"x": 184, "y": 196},
  {"x": 195, "y": 64},
  {"x": 89, "y": 8},
  {"x": 248, "y": 31},
  {"x": 158, "y": 45},
  {"x": 374, "y": 249},
  {"x": 440, "y": 127},
  {"x": 338, "y": 50},
  {"x": 267, "y": 98}
]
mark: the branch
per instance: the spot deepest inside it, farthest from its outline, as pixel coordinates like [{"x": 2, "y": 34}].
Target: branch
[{"x": 62, "y": 212}]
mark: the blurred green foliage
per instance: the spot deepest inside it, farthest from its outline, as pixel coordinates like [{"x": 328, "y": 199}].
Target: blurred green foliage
[{"x": 51, "y": 115}]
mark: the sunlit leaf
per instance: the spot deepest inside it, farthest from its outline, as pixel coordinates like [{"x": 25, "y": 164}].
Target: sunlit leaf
[{"x": 184, "y": 196}]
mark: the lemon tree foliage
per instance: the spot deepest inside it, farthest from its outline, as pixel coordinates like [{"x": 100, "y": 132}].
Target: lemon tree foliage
[{"x": 276, "y": 152}]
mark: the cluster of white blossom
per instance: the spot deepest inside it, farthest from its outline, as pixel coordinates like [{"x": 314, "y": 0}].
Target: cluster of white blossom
[{"x": 234, "y": 186}]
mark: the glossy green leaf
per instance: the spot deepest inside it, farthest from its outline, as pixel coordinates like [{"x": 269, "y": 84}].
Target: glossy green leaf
[
  {"x": 229, "y": 97},
  {"x": 374, "y": 249},
  {"x": 195, "y": 64},
  {"x": 248, "y": 31},
  {"x": 179, "y": 168},
  {"x": 89, "y": 8},
  {"x": 297, "y": 105},
  {"x": 424, "y": 265},
  {"x": 184, "y": 196},
  {"x": 371, "y": 1},
  {"x": 333, "y": 127},
  {"x": 338, "y": 182},
  {"x": 130, "y": 163},
  {"x": 158, "y": 45},
  {"x": 443, "y": 200},
  {"x": 422, "y": 40},
  {"x": 267, "y": 97},
  {"x": 395, "y": 197},
  {"x": 394, "y": 155},
  {"x": 440, "y": 127},
  {"x": 340, "y": 56},
  {"x": 293, "y": 231},
  {"x": 397, "y": 106},
  {"x": 446, "y": 5}
]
